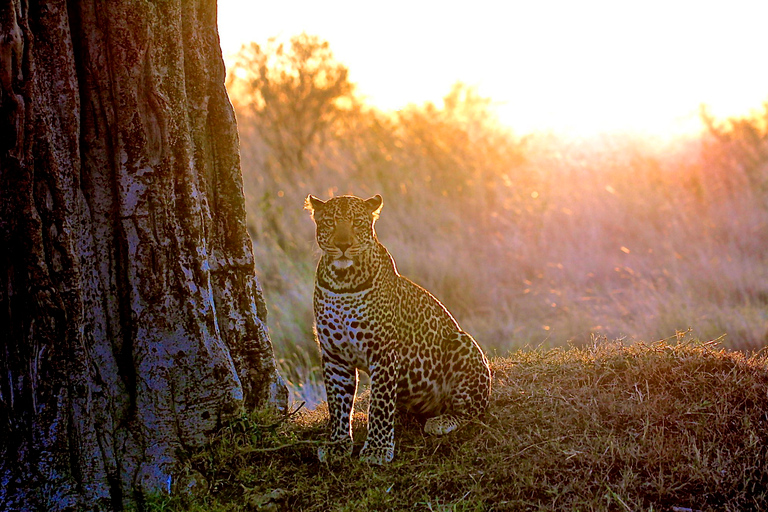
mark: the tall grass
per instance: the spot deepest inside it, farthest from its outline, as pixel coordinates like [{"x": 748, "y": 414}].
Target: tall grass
[{"x": 529, "y": 242}]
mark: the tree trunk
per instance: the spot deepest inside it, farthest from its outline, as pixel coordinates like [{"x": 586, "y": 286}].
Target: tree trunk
[{"x": 131, "y": 320}]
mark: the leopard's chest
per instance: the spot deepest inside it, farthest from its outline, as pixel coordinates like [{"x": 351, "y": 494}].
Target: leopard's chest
[{"x": 351, "y": 327}]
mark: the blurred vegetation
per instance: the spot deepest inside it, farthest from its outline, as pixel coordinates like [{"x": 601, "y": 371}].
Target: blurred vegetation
[
  {"x": 295, "y": 93},
  {"x": 740, "y": 145},
  {"x": 528, "y": 241},
  {"x": 670, "y": 425}
]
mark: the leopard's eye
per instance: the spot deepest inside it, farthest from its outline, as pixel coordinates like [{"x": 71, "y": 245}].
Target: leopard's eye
[
  {"x": 328, "y": 223},
  {"x": 360, "y": 224}
]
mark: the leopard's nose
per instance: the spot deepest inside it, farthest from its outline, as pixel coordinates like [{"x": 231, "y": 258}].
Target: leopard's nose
[{"x": 343, "y": 246}]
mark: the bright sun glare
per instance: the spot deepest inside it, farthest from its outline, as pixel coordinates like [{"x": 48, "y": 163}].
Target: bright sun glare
[{"x": 581, "y": 68}]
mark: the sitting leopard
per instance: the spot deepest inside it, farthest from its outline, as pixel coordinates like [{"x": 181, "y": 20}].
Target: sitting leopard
[{"x": 368, "y": 317}]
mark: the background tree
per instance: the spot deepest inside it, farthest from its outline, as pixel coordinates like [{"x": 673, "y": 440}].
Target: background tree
[
  {"x": 132, "y": 320},
  {"x": 296, "y": 92}
]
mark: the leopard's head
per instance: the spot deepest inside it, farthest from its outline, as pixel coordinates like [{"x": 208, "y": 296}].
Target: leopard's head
[{"x": 344, "y": 226}]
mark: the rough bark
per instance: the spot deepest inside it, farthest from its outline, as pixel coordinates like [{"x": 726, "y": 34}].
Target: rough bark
[{"x": 131, "y": 320}]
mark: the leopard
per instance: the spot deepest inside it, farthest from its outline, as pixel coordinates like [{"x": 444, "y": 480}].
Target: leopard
[{"x": 370, "y": 318}]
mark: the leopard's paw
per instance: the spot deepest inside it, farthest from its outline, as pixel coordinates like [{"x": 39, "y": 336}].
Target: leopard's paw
[
  {"x": 377, "y": 455},
  {"x": 442, "y": 425},
  {"x": 335, "y": 450}
]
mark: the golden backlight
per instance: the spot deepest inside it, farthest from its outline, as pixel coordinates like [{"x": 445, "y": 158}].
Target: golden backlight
[{"x": 577, "y": 67}]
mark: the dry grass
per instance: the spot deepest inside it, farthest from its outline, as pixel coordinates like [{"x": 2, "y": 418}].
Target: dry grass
[{"x": 602, "y": 427}]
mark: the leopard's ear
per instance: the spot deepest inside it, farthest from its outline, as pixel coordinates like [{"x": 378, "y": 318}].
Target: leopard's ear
[
  {"x": 313, "y": 204},
  {"x": 374, "y": 205}
]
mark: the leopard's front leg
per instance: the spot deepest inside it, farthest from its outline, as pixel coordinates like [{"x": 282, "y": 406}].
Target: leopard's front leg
[
  {"x": 379, "y": 446},
  {"x": 340, "y": 387}
]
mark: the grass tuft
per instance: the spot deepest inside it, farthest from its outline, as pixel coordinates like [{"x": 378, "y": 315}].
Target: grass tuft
[{"x": 606, "y": 426}]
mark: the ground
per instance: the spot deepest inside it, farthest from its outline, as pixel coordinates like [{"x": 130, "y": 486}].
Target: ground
[{"x": 672, "y": 425}]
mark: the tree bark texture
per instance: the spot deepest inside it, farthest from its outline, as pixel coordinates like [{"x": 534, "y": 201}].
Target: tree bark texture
[{"x": 131, "y": 319}]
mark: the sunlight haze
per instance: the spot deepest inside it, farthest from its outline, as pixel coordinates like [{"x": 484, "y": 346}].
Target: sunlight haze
[{"x": 570, "y": 67}]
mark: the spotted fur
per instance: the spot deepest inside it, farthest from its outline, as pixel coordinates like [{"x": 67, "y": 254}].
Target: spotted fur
[{"x": 370, "y": 318}]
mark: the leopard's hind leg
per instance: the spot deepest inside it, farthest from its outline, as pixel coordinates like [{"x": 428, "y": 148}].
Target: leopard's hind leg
[{"x": 469, "y": 382}]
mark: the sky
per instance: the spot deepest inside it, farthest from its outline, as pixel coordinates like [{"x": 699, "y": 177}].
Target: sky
[{"x": 579, "y": 67}]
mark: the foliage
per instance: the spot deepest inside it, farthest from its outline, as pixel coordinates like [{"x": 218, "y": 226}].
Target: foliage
[
  {"x": 296, "y": 93},
  {"x": 460, "y": 151},
  {"x": 740, "y": 145},
  {"x": 676, "y": 423}
]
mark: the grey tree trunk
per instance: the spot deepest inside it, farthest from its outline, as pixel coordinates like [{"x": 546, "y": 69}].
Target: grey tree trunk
[{"x": 131, "y": 319}]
